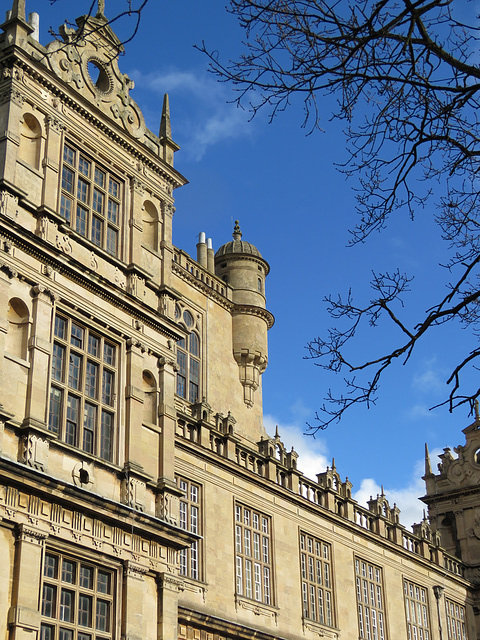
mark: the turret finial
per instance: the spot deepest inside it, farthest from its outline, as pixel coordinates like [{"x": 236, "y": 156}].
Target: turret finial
[
  {"x": 237, "y": 234},
  {"x": 477, "y": 415},
  {"x": 277, "y": 435},
  {"x": 165, "y": 125},
  {"x": 334, "y": 468}
]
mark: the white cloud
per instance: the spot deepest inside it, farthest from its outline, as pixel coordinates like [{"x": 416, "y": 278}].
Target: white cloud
[
  {"x": 406, "y": 498},
  {"x": 312, "y": 451},
  {"x": 431, "y": 379},
  {"x": 419, "y": 411},
  {"x": 211, "y": 118}
]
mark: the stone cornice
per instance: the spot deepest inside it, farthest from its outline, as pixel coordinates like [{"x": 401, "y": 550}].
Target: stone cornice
[
  {"x": 49, "y": 255},
  {"x": 252, "y": 310}
]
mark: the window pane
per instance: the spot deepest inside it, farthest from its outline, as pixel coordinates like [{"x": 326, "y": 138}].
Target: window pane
[
  {"x": 66, "y": 208},
  {"x": 109, "y": 354},
  {"x": 85, "y": 610},
  {"x": 68, "y": 571},
  {"x": 107, "y": 387},
  {"x": 76, "y": 338},
  {"x": 98, "y": 200},
  {"x": 84, "y": 166},
  {"x": 99, "y": 177},
  {"x": 60, "y": 327},
  {"x": 97, "y": 226},
  {"x": 112, "y": 241},
  {"x": 58, "y": 362},
  {"x": 55, "y": 410},
  {"x": 68, "y": 178},
  {"x": 82, "y": 190},
  {"x": 91, "y": 379},
  {"x": 112, "y": 211},
  {"x": 86, "y": 577},
  {"x": 106, "y": 436},
  {"x": 81, "y": 221}
]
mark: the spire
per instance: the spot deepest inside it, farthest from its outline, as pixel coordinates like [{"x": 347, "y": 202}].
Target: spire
[
  {"x": 18, "y": 9},
  {"x": 383, "y": 492},
  {"x": 237, "y": 234},
  {"x": 277, "y": 435},
  {"x": 428, "y": 465},
  {"x": 477, "y": 416},
  {"x": 334, "y": 468},
  {"x": 165, "y": 126}
]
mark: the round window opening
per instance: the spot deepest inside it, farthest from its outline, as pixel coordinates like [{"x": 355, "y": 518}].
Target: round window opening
[{"x": 99, "y": 76}]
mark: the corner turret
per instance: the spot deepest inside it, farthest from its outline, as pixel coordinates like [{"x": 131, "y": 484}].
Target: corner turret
[{"x": 240, "y": 264}]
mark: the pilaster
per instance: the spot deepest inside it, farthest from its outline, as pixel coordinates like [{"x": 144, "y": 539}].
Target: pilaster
[
  {"x": 168, "y": 589},
  {"x": 133, "y": 601},
  {"x": 39, "y": 356},
  {"x": 24, "y": 615}
]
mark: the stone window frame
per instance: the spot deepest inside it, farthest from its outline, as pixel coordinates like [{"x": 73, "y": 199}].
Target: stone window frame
[
  {"x": 417, "y": 610},
  {"x": 78, "y": 598},
  {"x": 189, "y": 355},
  {"x": 370, "y": 594},
  {"x": 316, "y": 573},
  {"x": 456, "y": 620},
  {"x": 83, "y": 390},
  {"x": 190, "y": 519},
  {"x": 92, "y": 206},
  {"x": 253, "y": 545}
]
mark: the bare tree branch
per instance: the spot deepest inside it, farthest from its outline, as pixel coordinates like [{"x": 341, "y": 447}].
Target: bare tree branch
[{"x": 406, "y": 81}]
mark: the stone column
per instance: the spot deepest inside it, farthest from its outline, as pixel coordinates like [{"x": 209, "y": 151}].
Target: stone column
[
  {"x": 24, "y": 614},
  {"x": 168, "y": 588}
]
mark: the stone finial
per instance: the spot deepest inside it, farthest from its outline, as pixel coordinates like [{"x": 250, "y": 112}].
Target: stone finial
[
  {"x": 101, "y": 9},
  {"x": 165, "y": 125},
  {"x": 277, "y": 435},
  {"x": 477, "y": 415},
  {"x": 237, "y": 234},
  {"x": 428, "y": 466},
  {"x": 18, "y": 9}
]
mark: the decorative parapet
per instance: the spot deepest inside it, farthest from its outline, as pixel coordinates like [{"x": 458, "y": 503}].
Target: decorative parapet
[
  {"x": 188, "y": 269},
  {"x": 271, "y": 461}
]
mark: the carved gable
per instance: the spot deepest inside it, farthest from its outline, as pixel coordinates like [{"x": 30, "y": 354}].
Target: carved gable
[{"x": 87, "y": 59}]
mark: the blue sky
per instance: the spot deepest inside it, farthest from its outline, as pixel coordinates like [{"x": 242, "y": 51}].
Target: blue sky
[{"x": 296, "y": 208}]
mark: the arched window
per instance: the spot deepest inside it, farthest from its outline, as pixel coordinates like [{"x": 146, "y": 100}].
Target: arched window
[
  {"x": 188, "y": 357},
  {"x": 150, "y": 226},
  {"x": 30, "y": 140},
  {"x": 149, "y": 397},
  {"x": 17, "y": 336}
]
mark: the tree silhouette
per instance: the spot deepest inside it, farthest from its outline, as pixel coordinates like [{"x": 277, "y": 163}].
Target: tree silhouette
[{"x": 406, "y": 84}]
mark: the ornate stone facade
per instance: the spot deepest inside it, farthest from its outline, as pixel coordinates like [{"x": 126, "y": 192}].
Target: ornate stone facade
[{"x": 140, "y": 495}]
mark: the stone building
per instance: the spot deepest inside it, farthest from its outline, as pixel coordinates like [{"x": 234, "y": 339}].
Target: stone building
[{"x": 140, "y": 495}]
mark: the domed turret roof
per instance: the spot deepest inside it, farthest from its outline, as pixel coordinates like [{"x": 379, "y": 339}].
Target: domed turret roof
[{"x": 237, "y": 245}]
